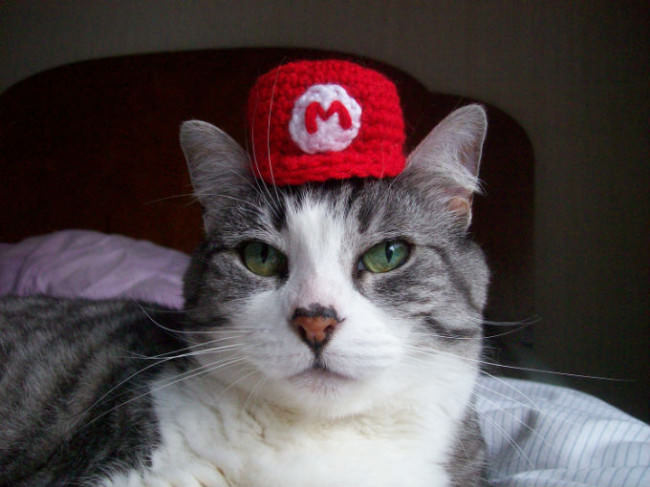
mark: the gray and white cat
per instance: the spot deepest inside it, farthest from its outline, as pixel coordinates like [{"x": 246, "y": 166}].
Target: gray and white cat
[{"x": 331, "y": 337}]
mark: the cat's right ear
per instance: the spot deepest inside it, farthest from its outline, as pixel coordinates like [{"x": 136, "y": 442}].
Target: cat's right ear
[
  {"x": 218, "y": 165},
  {"x": 446, "y": 163}
]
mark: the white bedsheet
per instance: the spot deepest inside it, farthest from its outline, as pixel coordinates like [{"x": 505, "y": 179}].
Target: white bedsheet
[{"x": 540, "y": 435}]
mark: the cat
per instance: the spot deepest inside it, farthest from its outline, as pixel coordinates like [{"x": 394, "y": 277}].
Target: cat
[{"x": 331, "y": 336}]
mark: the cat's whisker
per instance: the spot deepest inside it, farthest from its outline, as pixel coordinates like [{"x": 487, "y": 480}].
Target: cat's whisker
[
  {"x": 268, "y": 138},
  {"x": 525, "y": 403},
  {"x": 247, "y": 181},
  {"x": 521, "y": 368},
  {"x": 428, "y": 336},
  {"x": 210, "y": 306},
  {"x": 529, "y": 406},
  {"x": 249, "y": 206},
  {"x": 553, "y": 372},
  {"x": 171, "y": 197},
  {"x": 517, "y": 397},
  {"x": 274, "y": 202},
  {"x": 259, "y": 180},
  {"x": 192, "y": 352},
  {"x": 513, "y": 442},
  {"x": 172, "y": 330},
  {"x": 163, "y": 358},
  {"x": 158, "y": 361},
  {"x": 479, "y": 337},
  {"x": 159, "y": 310},
  {"x": 525, "y": 322},
  {"x": 201, "y": 370},
  {"x": 118, "y": 386},
  {"x": 253, "y": 391},
  {"x": 241, "y": 330},
  {"x": 242, "y": 378}
]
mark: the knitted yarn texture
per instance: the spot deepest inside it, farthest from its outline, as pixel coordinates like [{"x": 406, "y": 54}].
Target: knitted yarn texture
[{"x": 311, "y": 121}]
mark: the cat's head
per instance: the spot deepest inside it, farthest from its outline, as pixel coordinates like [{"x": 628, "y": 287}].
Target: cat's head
[{"x": 337, "y": 297}]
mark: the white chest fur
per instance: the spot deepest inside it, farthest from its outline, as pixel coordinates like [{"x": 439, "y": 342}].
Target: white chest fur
[{"x": 213, "y": 437}]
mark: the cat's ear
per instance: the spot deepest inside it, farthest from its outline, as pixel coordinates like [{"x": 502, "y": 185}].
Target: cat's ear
[
  {"x": 218, "y": 165},
  {"x": 446, "y": 163}
]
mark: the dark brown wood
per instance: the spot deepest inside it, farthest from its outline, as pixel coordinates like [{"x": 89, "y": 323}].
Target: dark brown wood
[{"x": 95, "y": 145}]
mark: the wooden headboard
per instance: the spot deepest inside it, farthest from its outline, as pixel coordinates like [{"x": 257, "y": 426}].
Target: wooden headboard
[{"x": 95, "y": 145}]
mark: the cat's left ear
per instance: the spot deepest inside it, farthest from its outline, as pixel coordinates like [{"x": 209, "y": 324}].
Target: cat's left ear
[
  {"x": 218, "y": 165},
  {"x": 446, "y": 163}
]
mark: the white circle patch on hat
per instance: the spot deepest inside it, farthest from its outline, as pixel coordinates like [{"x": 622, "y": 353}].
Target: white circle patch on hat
[{"x": 324, "y": 118}]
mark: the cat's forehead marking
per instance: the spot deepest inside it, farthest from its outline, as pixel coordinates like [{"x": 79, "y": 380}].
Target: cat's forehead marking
[
  {"x": 315, "y": 222},
  {"x": 316, "y": 236},
  {"x": 346, "y": 208}
]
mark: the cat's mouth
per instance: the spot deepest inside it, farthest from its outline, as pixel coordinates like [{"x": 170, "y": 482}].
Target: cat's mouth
[{"x": 319, "y": 375}]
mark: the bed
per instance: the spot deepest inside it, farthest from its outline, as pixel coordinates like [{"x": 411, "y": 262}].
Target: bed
[{"x": 95, "y": 203}]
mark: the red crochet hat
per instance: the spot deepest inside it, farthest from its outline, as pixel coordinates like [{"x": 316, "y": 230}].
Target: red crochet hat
[{"x": 320, "y": 120}]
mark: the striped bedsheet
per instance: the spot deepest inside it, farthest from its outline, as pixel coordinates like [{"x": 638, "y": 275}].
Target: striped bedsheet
[{"x": 541, "y": 435}]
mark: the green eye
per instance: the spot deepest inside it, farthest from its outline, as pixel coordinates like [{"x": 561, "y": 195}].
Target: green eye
[
  {"x": 263, "y": 260},
  {"x": 385, "y": 256}
]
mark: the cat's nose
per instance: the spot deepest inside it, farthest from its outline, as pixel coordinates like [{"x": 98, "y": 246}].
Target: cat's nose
[{"x": 315, "y": 325}]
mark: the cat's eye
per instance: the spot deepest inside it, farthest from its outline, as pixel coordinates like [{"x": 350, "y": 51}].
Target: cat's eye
[
  {"x": 263, "y": 260},
  {"x": 385, "y": 256}
]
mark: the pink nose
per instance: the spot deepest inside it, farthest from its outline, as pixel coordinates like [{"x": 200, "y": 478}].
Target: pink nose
[{"x": 315, "y": 326}]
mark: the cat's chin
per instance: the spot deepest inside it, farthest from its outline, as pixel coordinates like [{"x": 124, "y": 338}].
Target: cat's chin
[{"x": 314, "y": 392}]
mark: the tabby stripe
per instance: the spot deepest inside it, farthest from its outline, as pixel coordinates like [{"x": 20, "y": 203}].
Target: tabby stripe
[
  {"x": 66, "y": 389},
  {"x": 457, "y": 279},
  {"x": 364, "y": 216},
  {"x": 279, "y": 214},
  {"x": 101, "y": 332},
  {"x": 447, "y": 333}
]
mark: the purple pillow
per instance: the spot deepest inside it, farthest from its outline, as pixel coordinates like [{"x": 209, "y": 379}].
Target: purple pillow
[{"x": 92, "y": 265}]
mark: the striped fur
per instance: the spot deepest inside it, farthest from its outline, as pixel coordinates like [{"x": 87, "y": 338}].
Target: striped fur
[
  {"x": 226, "y": 392},
  {"x": 61, "y": 421}
]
